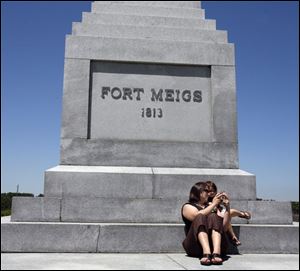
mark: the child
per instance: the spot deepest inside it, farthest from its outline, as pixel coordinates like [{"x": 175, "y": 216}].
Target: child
[{"x": 212, "y": 188}]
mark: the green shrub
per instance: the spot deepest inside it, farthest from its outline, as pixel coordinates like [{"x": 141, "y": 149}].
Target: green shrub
[
  {"x": 5, "y": 212},
  {"x": 6, "y": 199},
  {"x": 295, "y": 206},
  {"x": 295, "y": 210}
]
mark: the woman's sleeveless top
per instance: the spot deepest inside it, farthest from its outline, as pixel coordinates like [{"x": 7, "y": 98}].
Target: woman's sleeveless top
[{"x": 188, "y": 223}]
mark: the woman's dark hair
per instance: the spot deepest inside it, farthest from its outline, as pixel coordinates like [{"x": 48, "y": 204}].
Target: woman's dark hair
[{"x": 196, "y": 190}]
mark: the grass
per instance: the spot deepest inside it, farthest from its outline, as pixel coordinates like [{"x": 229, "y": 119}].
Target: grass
[{"x": 6, "y": 212}]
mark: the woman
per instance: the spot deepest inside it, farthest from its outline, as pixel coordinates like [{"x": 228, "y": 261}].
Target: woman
[
  {"x": 212, "y": 191},
  {"x": 203, "y": 228}
]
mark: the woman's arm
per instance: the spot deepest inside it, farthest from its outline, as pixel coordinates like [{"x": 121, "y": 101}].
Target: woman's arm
[{"x": 190, "y": 212}]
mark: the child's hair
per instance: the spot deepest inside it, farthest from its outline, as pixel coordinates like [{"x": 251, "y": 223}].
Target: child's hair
[{"x": 211, "y": 186}]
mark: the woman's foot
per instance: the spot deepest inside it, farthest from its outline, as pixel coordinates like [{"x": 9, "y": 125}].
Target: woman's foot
[
  {"x": 245, "y": 214},
  {"x": 235, "y": 241},
  {"x": 206, "y": 259},
  {"x": 216, "y": 259}
]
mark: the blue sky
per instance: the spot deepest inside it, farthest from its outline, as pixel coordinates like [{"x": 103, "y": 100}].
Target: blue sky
[{"x": 265, "y": 35}]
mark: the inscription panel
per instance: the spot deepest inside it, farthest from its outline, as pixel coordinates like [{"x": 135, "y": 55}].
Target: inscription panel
[{"x": 150, "y": 102}]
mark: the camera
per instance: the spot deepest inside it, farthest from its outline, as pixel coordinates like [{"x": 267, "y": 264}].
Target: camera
[{"x": 223, "y": 198}]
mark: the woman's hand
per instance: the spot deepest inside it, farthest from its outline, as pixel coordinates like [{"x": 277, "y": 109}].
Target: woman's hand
[{"x": 217, "y": 198}]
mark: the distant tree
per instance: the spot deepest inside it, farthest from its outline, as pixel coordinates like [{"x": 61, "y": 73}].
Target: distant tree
[
  {"x": 295, "y": 206},
  {"x": 295, "y": 209},
  {"x": 6, "y": 199}
]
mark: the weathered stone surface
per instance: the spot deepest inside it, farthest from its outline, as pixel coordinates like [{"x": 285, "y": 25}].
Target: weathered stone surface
[
  {"x": 179, "y": 4},
  {"x": 139, "y": 50},
  {"x": 124, "y": 238},
  {"x": 132, "y": 182},
  {"x": 36, "y": 209},
  {"x": 152, "y": 142},
  {"x": 134, "y": 210},
  {"x": 224, "y": 103},
  {"x": 149, "y": 32},
  {"x": 155, "y": 105},
  {"x": 121, "y": 210},
  {"x": 137, "y": 20},
  {"x": 272, "y": 238},
  {"x": 80, "y": 151},
  {"x": 97, "y": 184},
  {"x": 48, "y": 237},
  {"x": 239, "y": 187},
  {"x": 274, "y": 212},
  {"x": 142, "y": 238},
  {"x": 75, "y": 98},
  {"x": 161, "y": 211},
  {"x": 148, "y": 10}
]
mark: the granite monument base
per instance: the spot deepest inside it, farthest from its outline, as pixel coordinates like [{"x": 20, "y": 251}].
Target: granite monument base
[
  {"x": 131, "y": 209},
  {"x": 135, "y": 238}
]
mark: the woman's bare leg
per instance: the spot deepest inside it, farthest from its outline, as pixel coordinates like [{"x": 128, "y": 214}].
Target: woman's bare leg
[
  {"x": 216, "y": 239},
  {"x": 203, "y": 239}
]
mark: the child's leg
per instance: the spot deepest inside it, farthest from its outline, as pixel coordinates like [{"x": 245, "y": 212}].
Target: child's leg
[{"x": 233, "y": 237}]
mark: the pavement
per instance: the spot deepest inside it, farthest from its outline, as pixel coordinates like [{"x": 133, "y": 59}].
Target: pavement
[
  {"x": 144, "y": 261},
  {"x": 168, "y": 261}
]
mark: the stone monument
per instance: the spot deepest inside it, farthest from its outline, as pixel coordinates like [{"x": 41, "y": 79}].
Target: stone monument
[{"x": 149, "y": 108}]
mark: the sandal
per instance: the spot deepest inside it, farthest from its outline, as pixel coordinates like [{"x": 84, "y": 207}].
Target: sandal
[
  {"x": 245, "y": 215},
  {"x": 235, "y": 241},
  {"x": 207, "y": 260},
  {"x": 214, "y": 259}
]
